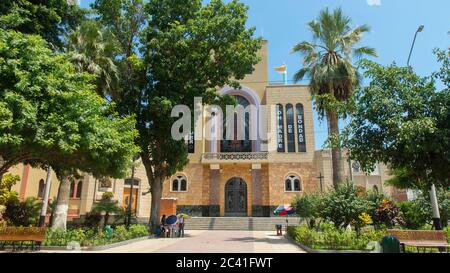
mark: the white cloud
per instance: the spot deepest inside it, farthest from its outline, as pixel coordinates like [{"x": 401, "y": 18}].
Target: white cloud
[{"x": 374, "y": 2}]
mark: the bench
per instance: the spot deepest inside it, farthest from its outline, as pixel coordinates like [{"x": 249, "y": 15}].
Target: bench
[
  {"x": 15, "y": 235},
  {"x": 421, "y": 239}
]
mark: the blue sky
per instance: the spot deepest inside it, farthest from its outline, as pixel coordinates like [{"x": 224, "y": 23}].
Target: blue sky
[{"x": 393, "y": 23}]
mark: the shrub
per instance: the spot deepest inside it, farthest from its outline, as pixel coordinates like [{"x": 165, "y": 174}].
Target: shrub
[
  {"x": 24, "y": 213},
  {"x": 334, "y": 239},
  {"x": 363, "y": 220},
  {"x": 138, "y": 231},
  {"x": 6, "y": 183},
  {"x": 92, "y": 219},
  {"x": 106, "y": 206},
  {"x": 387, "y": 214},
  {"x": 342, "y": 204},
  {"x": 308, "y": 206},
  {"x": 414, "y": 214},
  {"x": 93, "y": 236}
]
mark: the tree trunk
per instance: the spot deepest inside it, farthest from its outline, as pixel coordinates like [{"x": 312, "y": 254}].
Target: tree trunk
[
  {"x": 62, "y": 204},
  {"x": 435, "y": 208},
  {"x": 48, "y": 183},
  {"x": 156, "y": 191},
  {"x": 1, "y": 165},
  {"x": 336, "y": 155}
]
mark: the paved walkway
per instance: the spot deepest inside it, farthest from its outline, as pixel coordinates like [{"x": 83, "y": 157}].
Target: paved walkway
[{"x": 198, "y": 241}]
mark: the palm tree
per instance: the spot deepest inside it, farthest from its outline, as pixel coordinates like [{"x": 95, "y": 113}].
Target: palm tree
[
  {"x": 93, "y": 50},
  {"x": 328, "y": 64}
]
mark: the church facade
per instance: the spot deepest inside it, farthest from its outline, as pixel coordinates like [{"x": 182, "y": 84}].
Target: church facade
[{"x": 230, "y": 177}]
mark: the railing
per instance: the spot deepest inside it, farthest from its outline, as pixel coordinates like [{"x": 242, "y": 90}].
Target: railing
[{"x": 230, "y": 157}]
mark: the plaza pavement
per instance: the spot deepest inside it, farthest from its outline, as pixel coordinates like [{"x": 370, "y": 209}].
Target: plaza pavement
[{"x": 200, "y": 241}]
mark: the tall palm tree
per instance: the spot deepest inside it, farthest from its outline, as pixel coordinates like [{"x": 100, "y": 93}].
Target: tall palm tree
[
  {"x": 93, "y": 50},
  {"x": 328, "y": 64}
]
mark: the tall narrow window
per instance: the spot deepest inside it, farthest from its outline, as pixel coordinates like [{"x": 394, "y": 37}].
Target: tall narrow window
[
  {"x": 290, "y": 128},
  {"x": 79, "y": 188},
  {"x": 72, "y": 189},
  {"x": 41, "y": 188},
  {"x": 300, "y": 128},
  {"x": 280, "y": 128}
]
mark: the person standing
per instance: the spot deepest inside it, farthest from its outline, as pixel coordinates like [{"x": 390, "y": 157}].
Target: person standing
[
  {"x": 181, "y": 225},
  {"x": 163, "y": 225}
]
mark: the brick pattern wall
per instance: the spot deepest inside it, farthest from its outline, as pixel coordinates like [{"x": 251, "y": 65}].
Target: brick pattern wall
[{"x": 277, "y": 175}]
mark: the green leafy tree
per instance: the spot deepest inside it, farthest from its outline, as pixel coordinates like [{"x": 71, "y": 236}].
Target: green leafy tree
[
  {"x": 342, "y": 205},
  {"x": 50, "y": 19},
  {"x": 308, "y": 206},
  {"x": 93, "y": 49},
  {"x": 400, "y": 119},
  {"x": 328, "y": 64},
  {"x": 188, "y": 50},
  {"x": 51, "y": 116}
]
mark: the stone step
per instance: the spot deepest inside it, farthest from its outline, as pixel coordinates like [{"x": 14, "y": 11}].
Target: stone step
[{"x": 238, "y": 223}]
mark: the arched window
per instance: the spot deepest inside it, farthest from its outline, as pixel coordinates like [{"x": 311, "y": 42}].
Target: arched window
[
  {"x": 72, "y": 189},
  {"x": 41, "y": 188},
  {"x": 292, "y": 183},
  {"x": 79, "y": 187},
  {"x": 179, "y": 183},
  {"x": 232, "y": 139}
]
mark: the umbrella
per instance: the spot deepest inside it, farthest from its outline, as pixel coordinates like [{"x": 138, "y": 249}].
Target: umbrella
[
  {"x": 284, "y": 210},
  {"x": 172, "y": 219},
  {"x": 186, "y": 216}
]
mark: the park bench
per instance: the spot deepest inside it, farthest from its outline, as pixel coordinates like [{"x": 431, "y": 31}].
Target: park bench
[
  {"x": 421, "y": 239},
  {"x": 17, "y": 236}
]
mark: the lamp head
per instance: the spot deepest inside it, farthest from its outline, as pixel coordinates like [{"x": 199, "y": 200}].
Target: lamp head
[{"x": 420, "y": 28}]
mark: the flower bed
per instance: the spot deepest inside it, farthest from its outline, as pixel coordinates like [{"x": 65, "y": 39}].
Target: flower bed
[
  {"x": 330, "y": 238},
  {"x": 94, "y": 237}
]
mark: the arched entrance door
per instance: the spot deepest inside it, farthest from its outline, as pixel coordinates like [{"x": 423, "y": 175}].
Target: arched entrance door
[{"x": 236, "y": 197}]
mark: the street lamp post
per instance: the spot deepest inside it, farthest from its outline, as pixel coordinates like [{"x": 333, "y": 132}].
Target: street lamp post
[{"x": 419, "y": 29}]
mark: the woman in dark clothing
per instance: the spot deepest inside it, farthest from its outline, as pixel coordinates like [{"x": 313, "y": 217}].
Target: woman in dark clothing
[{"x": 163, "y": 225}]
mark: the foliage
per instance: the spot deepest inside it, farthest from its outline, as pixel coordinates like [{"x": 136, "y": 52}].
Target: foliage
[
  {"x": 24, "y": 213},
  {"x": 188, "y": 50},
  {"x": 49, "y": 114},
  {"x": 107, "y": 206},
  {"x": 308, "y": 206},
  {"x": 342, "y": 204},
  {"x": 414, "y": 214},
  {"x": 334, "y": 239},
  {"x": 327, "y": 62},
  {"x": 387, "y": 214},
  {"x": 401, "y": 119},
  {"x": 418, "y": 213},
  {"x": 92, "y": 219},
  {"x": 363, "y": 220},
  {"x": 49, "y": 19},
  {"x": 6, "y": 183},
  {"x": 93, "y": 237},
  {"x": 92, "y": 49},
  {"x": 107, "y": 195}
]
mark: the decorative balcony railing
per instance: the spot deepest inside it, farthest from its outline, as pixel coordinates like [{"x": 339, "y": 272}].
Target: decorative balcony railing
[{"x": 235, "y": 157}]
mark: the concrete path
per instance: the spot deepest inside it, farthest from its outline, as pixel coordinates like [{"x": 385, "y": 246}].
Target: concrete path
[{"x": 198, "y": 241}]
